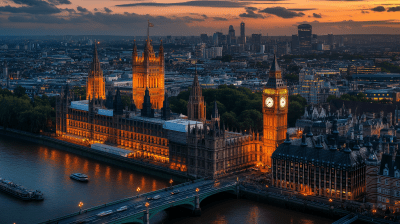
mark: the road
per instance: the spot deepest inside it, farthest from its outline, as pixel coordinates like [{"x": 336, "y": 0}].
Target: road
[{"x": 137, "y": 205}]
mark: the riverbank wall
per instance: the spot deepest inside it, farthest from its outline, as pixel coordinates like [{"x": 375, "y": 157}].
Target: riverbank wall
[
  {"x": 123, "y": 162},
  {"x": 309, "y": 207}
]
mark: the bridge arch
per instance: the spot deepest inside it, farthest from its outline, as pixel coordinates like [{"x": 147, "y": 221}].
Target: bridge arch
[
  {"x": 202, "y": 197},
  {"x": 189, "y": 204}
]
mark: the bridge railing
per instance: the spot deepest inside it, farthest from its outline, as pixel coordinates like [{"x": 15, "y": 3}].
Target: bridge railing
[{"x": 119, "y": 201}]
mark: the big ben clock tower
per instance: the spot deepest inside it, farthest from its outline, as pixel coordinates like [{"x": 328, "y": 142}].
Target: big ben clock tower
[{"x": 275, "y": 109}]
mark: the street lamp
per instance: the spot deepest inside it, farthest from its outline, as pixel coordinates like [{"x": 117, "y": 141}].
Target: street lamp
[
  {"x": 197, "y": 191},
  {"x": 80, "y": 207},
  {"x": 170, "y": 182},
  {"x": 330, "y": 199},
  {"x": 147, "y": 204},
  {"x": 138, "y": 189}
]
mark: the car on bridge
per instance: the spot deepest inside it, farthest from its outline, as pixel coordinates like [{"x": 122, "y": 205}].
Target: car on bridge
[
  {"x": 105, "y": 213},
  {"x": 154, "y": 198},
  {"x": 175, "y": 192},
  {"x": 123, "y": 208}
]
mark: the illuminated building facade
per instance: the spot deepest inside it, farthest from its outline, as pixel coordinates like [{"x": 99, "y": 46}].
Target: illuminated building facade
[
  {"x": 95, "y": 87},
  {"x": 195, "y": 145},
  {"x": 275, "y": 109},
  {"x": 196, "y": 107},
  {"x": 315, "y": 166},
  {"x": 148, "y": 72}
]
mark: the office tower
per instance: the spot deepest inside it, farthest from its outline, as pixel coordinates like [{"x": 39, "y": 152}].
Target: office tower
[
  {"x": 215, "y": 39},
  {"x": 204, "y": 38},
  {"x": 295, "y": 43},
  {"x": 231, "y": 35},
  {"x": 242, "y": 34},
  {"x": 305, "y": 36}
]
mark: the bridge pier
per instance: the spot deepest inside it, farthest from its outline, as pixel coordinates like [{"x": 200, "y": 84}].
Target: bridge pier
[
  {"x": 146, "y": 217},
  {"x": 197, "y": 209},
  {"x": 237, "y": 190}
]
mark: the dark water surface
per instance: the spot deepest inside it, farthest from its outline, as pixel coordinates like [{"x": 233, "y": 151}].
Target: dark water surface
[{"x": 48, "y": 169}]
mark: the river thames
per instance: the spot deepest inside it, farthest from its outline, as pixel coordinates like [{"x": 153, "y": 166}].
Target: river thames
[{"x": 47, "y": 169}]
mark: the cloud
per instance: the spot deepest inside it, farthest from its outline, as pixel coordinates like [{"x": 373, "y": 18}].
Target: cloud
[
  {"x": 301, "y": 10},
  {"x": 60, "y": 2},
  {"x": 282, "y": 12},
  {"x": 219, "y": 19},
  {"x": 200, "y": 3},
  {"x": 394, "y": 9},
  {"x": 81, "y": 9},
  {"x": 378, "y": 9},
  {"x": 32, "y": 7},
  {"x": 251, "y": 14},
  {"x": 315, "y": 15},
  {"x": 107, "y": 10}
]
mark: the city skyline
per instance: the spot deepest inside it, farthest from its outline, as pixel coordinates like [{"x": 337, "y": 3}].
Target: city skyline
[{"x": 191, "y": 18}]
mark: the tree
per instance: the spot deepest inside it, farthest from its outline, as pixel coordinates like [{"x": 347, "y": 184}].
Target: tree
[
  {"x": 331, "y": 97},
  {"x": 19, "y": 91}
]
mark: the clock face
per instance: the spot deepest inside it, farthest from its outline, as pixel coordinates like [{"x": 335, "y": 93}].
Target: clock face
[
  {"x": 269, "y": 102},
  {"x": 282, "y": 101}
]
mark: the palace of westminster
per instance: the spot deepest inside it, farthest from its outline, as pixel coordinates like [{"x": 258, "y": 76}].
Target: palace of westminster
[
  {"x": 194, "y": 145},
  {"x": 329, "y": 165}
]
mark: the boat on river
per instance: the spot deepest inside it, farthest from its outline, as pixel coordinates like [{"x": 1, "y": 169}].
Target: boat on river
[
  {"x": 19, "y": 191},
  {"x": 79, "y": 177}
]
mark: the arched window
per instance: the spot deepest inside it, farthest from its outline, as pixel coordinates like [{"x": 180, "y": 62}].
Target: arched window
[{"x": 386, "y": 172}]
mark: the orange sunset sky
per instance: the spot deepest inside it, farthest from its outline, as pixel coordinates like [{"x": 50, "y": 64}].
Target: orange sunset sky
[{"x": 129, "y": 17}]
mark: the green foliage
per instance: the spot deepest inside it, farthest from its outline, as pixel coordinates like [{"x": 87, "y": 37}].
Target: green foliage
[
  {"x": 239, "y": 108},
  {"x": 296, "y": 108},
  {"x": 360, "y": 97},
  {"x": 19, "y": 112},
  {"x": 79, "y": 92},
  {"x": 291, "y": 77},
  {"x": 126, "y": 100},
  {"x": 226, "y": 58},
  {"x": 389, "y": 68}
]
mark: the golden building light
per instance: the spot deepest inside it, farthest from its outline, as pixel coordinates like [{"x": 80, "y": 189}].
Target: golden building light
[{"x": 95, "y": 86}]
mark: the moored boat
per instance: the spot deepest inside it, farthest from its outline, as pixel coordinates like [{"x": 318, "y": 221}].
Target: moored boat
[{"x": 19, "y": 191}]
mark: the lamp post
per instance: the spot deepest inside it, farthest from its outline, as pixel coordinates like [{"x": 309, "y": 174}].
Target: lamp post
[
  {"x": 170, "y": 182},
  {"x": 146, "y": 213},
  {"x": 80, "y": 207},
  {"x": 197, "y": 191}
]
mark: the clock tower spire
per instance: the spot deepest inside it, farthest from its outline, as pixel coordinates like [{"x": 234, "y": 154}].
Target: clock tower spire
[{"x": 275, "y": 109}]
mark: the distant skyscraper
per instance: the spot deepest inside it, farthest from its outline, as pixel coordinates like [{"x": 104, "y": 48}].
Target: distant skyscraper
[
  {"x": 295, "y": 43},
  {"x": 204, "y": 38},
  {"x": 242, "y": 33},
  {"x": 305, "y": 34},
  {"x": 231, "y": 35}
]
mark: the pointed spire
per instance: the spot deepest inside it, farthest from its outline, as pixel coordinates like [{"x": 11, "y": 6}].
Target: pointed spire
[
  {"x": 287, "y": 140},
  {"x": 95, "y": 66},
  {"x": 215, "y": 110},
  {"x": 134, "y": 47},
  {"x": 303, "y": 141},
  {"x": 275, "y": 67},
  {"x": 146, "y": 108},
  {"x": 161, "y": 47},
  {"x": 118, "y": 106}
]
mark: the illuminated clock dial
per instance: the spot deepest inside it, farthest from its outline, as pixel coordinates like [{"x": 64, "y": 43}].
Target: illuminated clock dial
[
  {"x": 282, "y": 101},
  {"x": 269, "y": 102}
]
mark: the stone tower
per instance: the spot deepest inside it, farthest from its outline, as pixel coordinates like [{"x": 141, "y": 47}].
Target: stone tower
[
  {"x": 275, "y": 109},
  {"x": 148, "y": 73},
  {"x": 95, "y": 86},
  {"x": 196, "y": 106}
]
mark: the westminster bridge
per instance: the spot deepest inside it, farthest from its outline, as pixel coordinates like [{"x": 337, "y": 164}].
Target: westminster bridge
[{"x": 140, "y": 208}]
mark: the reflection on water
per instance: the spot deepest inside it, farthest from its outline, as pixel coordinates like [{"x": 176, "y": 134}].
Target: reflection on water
[
  {"x": 48, "y": 169},
  {"x": 233, "y": 211}
]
